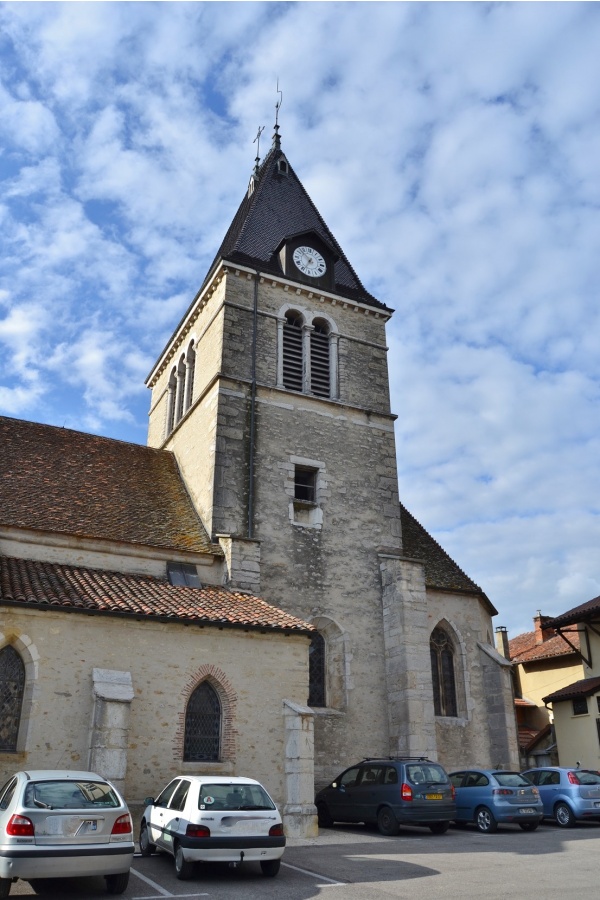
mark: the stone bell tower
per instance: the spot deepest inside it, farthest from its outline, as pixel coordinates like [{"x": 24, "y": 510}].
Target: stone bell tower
[{"x": 273, "y": 394}]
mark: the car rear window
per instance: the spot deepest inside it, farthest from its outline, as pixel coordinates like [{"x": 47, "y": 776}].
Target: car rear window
[
  {"x": 511, "y": 779},
  {"x": 587, "y": 776},
  {"x": 70, "y": 795},
  {"x": 426, "y": 773},
  {"x": 234, "y": 796}
]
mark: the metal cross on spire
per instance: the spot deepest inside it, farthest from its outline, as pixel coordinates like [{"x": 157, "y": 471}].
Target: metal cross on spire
[{"x": 276, "y": 137}]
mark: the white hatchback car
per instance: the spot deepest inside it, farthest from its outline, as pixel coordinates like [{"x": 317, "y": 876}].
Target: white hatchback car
[
  {"x": 211, "y": 818},
  {"x": 62, "y": 824}
]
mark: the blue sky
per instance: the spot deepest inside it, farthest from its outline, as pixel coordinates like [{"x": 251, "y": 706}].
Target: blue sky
[{"x": 453, "y": 150}]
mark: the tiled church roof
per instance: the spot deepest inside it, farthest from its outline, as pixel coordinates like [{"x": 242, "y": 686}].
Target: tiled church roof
[
  {"x": 71, "y": 483},
  {"x": 75, "y": 589},
  {"x": 440, "y": 569},
  {"x": 278, "y": 208}
]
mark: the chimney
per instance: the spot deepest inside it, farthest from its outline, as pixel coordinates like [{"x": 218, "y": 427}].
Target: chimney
[
  {"x": 542, "y": 632},
  {"x": 502, "y": 641}
]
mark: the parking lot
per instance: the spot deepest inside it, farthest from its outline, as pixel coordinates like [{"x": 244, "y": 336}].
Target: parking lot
[{"x": 359, "y": 864}]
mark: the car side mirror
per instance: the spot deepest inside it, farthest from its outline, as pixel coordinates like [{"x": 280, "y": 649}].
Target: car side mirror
[{"x": 149, "y": 801}]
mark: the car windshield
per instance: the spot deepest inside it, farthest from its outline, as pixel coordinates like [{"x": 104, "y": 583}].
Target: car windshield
[
  {"x": 426, "y": 773},
  {"x": 511, "y": 779},
  {"x": 70, "y": 795},
  {"x": 234, "y": 796},
  {"x": 586, "y": 776}
]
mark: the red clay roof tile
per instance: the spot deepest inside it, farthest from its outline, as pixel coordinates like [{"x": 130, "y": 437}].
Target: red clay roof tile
[
  {"x": 71, "y": 588},
  {"x": 67, "y": 482}
]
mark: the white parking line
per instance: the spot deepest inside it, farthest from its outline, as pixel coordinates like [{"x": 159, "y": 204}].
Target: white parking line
[
  {"x": 162, "y": 892},
  {"x": 330, "y": 881}
]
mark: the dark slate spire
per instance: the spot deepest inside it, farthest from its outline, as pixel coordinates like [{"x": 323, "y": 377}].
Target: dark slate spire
[{"x": 275, "y": 209}]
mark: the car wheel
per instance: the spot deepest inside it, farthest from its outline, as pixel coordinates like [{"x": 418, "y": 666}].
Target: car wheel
[
  {"x": 270, "y": 867},
  {"x": 324, "y": 816},
  {"x": 439, "y": 827},
  {"x": 117, "y": 884},
  {"x": 146, "y": 848},
  {"x": 387, "y": 822},
  {"x": 564, "y": 816},
  {"x": 183, "y": 867},
  {"x": 529, "y": 826},
  {"x": 5, "y": 884},
  {"x": 485, "y": 821}
]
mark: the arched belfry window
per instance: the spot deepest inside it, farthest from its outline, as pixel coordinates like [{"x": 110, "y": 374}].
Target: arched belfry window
[
  {"x": 171, "y": 394},
  {"x": 190, "y": 371},
  {"x": 12, "y": 687},
  {"x": 442, "y": 672},
  {"x": 316, "y": 671},
  {"x": 319, "y": 359},
  {"x": 293, "y": 362},
  {"x": 203, "y": 725}
]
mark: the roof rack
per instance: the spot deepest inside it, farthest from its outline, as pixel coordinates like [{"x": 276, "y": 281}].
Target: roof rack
[{"x": 395, "y": 758}]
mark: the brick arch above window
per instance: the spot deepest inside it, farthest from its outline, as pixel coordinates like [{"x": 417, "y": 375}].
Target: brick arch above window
[{"x": 221, "y": 685}]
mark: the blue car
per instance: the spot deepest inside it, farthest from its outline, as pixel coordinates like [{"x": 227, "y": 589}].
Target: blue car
[
  {"x": 567, "y": 794},
  {"x": 489, "y": 797}
]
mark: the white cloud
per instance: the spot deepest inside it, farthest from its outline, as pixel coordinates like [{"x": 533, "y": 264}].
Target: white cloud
[{"x": 451, "y": 148}]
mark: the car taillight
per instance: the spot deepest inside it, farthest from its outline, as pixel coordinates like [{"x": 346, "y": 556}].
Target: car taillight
[
  {"x": 453, "y": 791},
  {"x": 534, "y": 790},
  {"x": 199, "y": 831},
  {"x": 20, "y": 826},
  {"x": 276, "y": 830},
  {"x": 573, "y": 779},
  {"x": 122, "y": 825},
  {"x": 406, "y": 792},
  {"x": 502, "y": 791}
]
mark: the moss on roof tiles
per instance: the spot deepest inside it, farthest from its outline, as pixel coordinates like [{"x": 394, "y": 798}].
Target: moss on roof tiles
[{"x": 68, "y": 482}]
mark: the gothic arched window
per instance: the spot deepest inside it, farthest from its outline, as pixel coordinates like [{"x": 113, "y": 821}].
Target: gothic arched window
[
  {"x": 316, "y": 671},
  {"x": 172, "y": 391},
  {"x": 203, "y": 725},
  {"x": 442, "y": 672},
  {"x": 12, "y": 687},
  {"x": 190, "y": 370},
  {"x": 293, "y": 355},
  {"x": 319, "y": 359}
]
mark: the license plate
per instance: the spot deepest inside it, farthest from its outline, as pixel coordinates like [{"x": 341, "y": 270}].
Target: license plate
[
  {"x": 597, "y": 803},
  {"x": 91, "y": 825},
  {"x": 433, "y": 797},
  {"x": 527, "y": 811}
]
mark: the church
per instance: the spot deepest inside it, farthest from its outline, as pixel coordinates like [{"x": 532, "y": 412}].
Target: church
[{"x": 246, "y": 594}]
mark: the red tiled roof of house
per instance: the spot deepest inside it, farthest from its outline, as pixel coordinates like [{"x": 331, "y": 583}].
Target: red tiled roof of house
[
  {"x": 582, "y": 688},
  {"x": 74, "y": 589},
  {"x": 582, "y": 613},
  {"x": 523, "y": 648},
  {"x": 71, "y": 483}
]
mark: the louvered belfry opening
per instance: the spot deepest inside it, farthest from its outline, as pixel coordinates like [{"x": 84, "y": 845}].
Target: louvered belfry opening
[
  {"x": 293, "y": 369},
  {"x": 203, "y": 725},
  {"x": 319, "y": 359}
]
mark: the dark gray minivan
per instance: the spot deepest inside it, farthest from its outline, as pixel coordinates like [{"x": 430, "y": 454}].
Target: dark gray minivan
[{"x": 390, "y": 792}]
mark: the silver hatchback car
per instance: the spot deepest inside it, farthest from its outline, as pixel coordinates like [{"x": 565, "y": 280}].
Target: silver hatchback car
[
  {"x": 62, "y": 824},
  {"x": 567, "y": 794}
]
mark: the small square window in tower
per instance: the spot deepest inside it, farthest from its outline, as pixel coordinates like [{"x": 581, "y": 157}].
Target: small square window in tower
[{"x": 305, "y": 485}]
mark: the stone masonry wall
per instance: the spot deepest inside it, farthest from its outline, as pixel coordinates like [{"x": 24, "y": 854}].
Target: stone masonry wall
[{"x": 61, "y": 650}]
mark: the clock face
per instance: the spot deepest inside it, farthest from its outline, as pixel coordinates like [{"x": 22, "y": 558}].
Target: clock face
[{"x": 309, "y": 261}]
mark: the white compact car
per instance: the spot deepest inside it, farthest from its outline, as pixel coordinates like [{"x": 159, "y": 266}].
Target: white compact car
[
  {"x": 211, "y": 818},
  {"x": 62, "y": 824}
]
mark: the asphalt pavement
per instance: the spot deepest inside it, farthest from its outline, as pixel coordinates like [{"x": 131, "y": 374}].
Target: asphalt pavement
[{"x": 355, "y": 863}]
